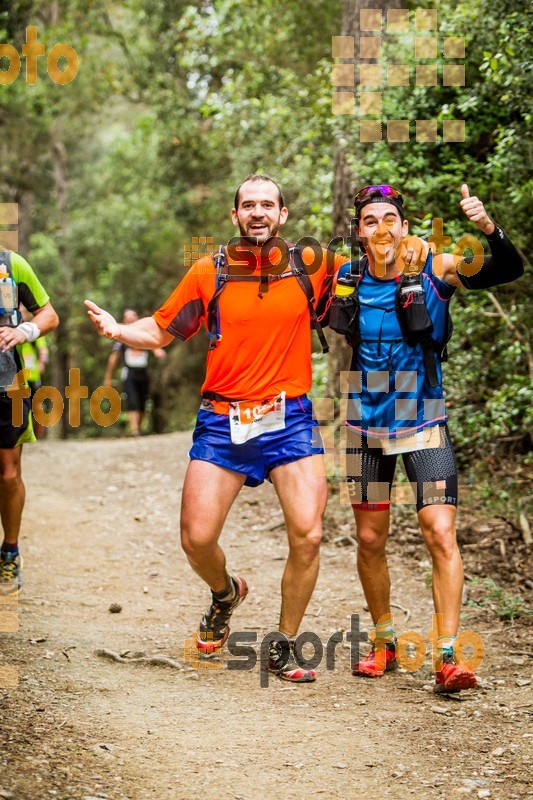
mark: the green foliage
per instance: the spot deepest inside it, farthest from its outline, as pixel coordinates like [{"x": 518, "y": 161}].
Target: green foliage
[
  {"x": 176, "y": 101},
  {"x": 505, "y": 605},
  {"x": 320, "y": 375}
]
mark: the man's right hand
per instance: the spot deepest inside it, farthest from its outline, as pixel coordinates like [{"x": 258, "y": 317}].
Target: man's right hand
[
  {"x": 105, "y": 324},
  {"x": 411, "y": 255}
]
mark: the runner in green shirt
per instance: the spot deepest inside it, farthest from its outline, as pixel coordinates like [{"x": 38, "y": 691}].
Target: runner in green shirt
[{"x": 18, "y": 284}]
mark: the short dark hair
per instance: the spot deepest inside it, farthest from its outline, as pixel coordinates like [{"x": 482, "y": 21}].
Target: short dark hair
[{"x": 256, "y": 178}]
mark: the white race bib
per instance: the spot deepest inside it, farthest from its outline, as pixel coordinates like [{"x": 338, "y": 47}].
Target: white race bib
[
  {"x": 249, "y": 419},
  {"x": 422, "y": 440}
]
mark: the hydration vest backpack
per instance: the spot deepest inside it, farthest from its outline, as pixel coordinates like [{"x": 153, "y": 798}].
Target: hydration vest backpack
[
  {"x": 411, "y": 311},
  {"x": 297, "y": 270},
  {"x": 9, "y": 313}
]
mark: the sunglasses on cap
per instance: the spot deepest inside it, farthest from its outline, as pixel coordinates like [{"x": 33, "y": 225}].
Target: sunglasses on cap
[{"x": 368, "y": 193}]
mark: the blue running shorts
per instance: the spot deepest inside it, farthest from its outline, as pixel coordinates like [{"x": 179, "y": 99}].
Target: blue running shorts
[{"x": 257, "y": 458}]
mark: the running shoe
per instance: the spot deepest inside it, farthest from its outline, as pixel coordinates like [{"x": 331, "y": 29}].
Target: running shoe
[
  {"x": 214, "y": 628},
  {"x": 10, "y": 573},
  {"x": 281, "y": 663},
  {"x": 377, "y": 661},
  {"x": 452, "y": 677}
]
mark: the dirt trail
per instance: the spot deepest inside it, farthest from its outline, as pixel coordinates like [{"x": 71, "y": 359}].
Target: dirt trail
[{"x": 101, "y": 527}]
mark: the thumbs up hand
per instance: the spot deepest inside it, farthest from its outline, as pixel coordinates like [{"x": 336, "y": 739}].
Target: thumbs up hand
[{"x": 475, "y": 211}]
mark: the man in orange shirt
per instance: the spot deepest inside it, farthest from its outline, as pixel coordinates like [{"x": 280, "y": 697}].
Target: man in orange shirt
[{"x": 255, "y": 420}]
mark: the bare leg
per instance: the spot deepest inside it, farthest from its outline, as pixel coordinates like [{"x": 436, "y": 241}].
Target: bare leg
[
  {"x": 208, "y": 494},
  {"x": 12, "y": 493},
  {"x": 438, "y": 528},
  {"x": 302, "y": 491},
  {"x": 372, "y": 535},
  {"x": 135, "y": 418}
]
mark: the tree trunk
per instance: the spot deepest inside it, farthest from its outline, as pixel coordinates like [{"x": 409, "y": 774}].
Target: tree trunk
[
  {"x": 339, "y": 352},
  {"x": 344, "y": 182},
  {"x": 62, "y": 302}
]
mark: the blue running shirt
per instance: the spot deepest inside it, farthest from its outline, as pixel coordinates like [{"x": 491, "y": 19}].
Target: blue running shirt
[{"x": 392, "y": 397}]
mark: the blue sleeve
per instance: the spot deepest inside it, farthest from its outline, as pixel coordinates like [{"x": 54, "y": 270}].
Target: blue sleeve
[{"x": 443, "y": 289}]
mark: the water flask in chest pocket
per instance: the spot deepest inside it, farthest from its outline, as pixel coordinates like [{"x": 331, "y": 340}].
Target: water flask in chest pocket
[{"x": 9, "y": 314}]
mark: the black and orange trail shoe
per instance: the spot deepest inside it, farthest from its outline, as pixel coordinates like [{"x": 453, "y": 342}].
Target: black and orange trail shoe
[
  {"x": 282, "y": 664},
  {"x": 214, "y": 626}
]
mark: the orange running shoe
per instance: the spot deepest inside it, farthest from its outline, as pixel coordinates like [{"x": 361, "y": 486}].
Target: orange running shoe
[
  {"x": 452, "y": 677},
  {"x": 377, "y": 661}
]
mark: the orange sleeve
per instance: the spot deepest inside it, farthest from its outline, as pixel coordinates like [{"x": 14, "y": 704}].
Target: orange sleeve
[{"x": 184, "y": 311}]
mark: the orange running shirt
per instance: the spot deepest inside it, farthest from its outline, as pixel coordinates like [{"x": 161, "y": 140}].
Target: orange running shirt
[{"x": 265, "y": 344}]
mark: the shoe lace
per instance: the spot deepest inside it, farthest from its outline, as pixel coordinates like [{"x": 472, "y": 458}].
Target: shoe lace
[
  {"x": 10, "y": 568},
  {"x": 219, "y": 613},
  {"x": 281, "y": 655}
]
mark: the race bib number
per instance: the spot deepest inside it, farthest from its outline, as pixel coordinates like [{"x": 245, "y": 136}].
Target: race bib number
[{"x": 248, "y": 419}]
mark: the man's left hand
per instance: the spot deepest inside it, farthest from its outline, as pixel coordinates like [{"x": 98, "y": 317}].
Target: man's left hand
[
  {"x": 475, "y": 211},
  {"x": 10, "y": 337}
]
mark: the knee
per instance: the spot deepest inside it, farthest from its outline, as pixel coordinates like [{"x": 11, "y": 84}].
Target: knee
[
  {"x": 193, "y": 540},
  {"x": 305, "y": 540},
  {"x": 441, "y": 540},
  {"x": 372, "y": 541},
  {"x": 10, "y": 477}
]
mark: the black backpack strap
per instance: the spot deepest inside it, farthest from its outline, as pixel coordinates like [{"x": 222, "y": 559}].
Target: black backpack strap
[
  {"x": 357, "y": 271},
  {"x": 429, "y": 346},
  {"x": 221, "y": 277},
  {"x": 208, "y": 395},
  {"x": 429, "y": 350},
  {"x": 300, "y": 273}
]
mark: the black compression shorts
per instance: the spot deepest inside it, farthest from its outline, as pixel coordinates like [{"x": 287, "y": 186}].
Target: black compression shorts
[
  {"x": 137, "y": 388},
  {"x": 11, "y": 436},
  {"x": 370, "y": 474}
]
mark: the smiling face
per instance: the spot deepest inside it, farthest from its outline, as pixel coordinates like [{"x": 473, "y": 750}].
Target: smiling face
[
  {"x": 259, "y": 215},
  {"x": 381, "y": 228}
]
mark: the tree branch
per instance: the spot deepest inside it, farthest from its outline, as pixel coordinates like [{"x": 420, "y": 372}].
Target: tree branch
[{"x": 512, "y": 327}]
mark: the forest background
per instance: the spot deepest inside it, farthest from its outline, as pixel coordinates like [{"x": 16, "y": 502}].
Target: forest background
[{"x": 117, "y": 173}]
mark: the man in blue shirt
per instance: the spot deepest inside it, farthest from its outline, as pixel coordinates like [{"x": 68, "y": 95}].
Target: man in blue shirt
[{"x": 399, "y": 328}]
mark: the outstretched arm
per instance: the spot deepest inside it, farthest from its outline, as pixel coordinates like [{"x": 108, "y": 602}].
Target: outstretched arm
[
  {"x": 503, "y": 265},
  {"x": 144, "y": 334}
]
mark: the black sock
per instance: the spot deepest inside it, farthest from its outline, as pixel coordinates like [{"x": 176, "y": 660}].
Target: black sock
[
  {"x": 10, "y": 548},
  {"x": 227, "y": 594}
]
